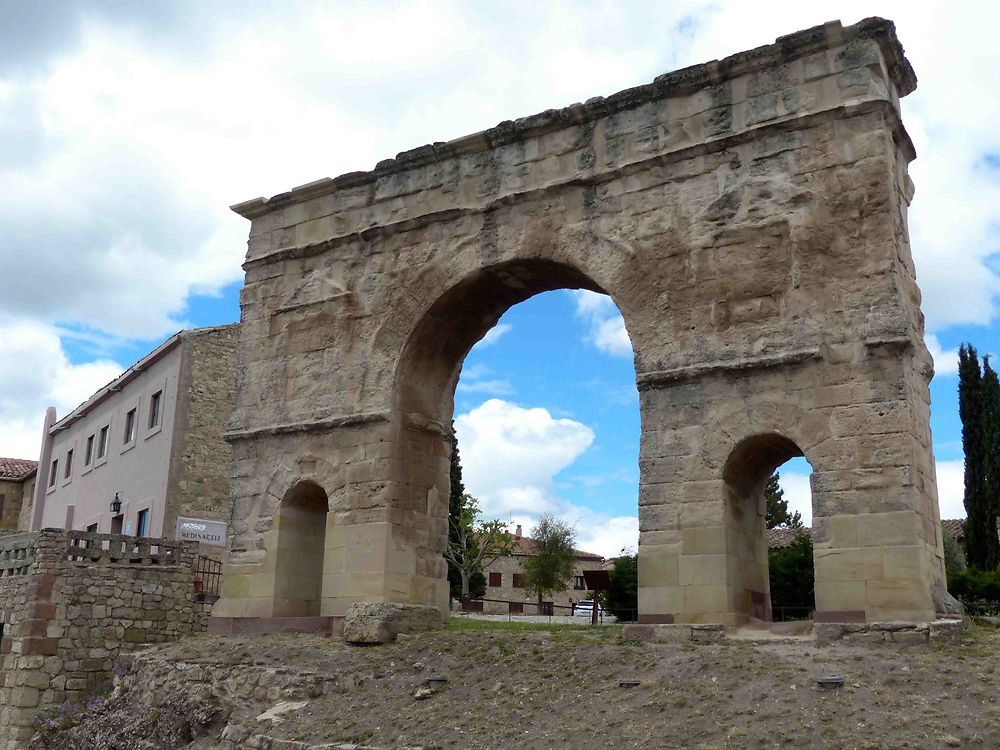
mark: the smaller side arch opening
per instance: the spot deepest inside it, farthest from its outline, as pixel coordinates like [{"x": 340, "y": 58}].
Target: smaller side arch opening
[
  {"x": 746, "y": 474},
  {"x": 301, "y": 535}
]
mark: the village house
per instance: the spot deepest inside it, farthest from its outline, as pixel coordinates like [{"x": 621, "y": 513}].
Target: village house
[
  {"x": 17, "y": 483},
  {"x": 505, "y": 581},
  {"x": 148, "y": 447}
]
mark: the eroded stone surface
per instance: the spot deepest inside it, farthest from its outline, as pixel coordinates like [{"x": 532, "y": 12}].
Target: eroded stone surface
[
  {"x": 747, "y": 216},
  {"x": 381, "y": 622}
]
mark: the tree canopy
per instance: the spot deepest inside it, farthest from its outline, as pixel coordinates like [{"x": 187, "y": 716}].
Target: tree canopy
[
  {"x": 791, "y": 571},
  {"x": 777, "y": 515},
  {"x": 551, "y": 568},
  {"x": 622, "y": 599},
  {"x": 474, "y": 544},
  {"x": 979, "y": 410}
]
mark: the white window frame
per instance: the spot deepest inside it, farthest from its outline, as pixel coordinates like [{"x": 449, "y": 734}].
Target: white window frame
[
  {"x": 160, "y": 386},
  {"x": 52, "y": 480},
  {"x": 100, "y": 460},
  {"x": 65, "y": 478},
  {"x": 88, "y": 467},
  {"x": 129, "y": 406}
]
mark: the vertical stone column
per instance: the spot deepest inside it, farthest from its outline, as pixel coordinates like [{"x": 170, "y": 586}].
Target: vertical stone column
[
  {"x": 32, "y": 666},
  {"x": 875, "y": 526},
  {"x": 683, "y": 568}
]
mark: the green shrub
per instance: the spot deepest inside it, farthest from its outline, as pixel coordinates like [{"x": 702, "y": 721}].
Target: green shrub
[
  {"x": 792, "y": 575},
  {"x": 622, "y": 599},
  {"x": 973, "y": 585}
]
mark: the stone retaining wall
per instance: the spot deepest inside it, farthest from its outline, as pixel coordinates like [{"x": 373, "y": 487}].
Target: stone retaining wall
[
  {"x": 905, "y": 633},
  {"x": 71, "y": 602}
]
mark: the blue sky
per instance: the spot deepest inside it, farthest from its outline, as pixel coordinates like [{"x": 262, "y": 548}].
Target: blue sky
[{"x": 128, "y": 130}]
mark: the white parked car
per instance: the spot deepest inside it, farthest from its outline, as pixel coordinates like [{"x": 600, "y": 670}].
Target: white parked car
[{"x": 586, "y": 609}]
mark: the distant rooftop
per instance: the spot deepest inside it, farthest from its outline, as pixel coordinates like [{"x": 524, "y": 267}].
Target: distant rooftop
[
  {"x": 526, "y": 546},
  {"x": 17, "y": 469}
]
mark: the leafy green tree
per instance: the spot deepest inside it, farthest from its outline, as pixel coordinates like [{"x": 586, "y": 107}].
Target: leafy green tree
[
  {"x": 792, "y": 574},
  {"x": 551, "y": 568},
  {"x": 622, "y": 599},
  {"x": 979, "y": 410},
  {"x": 954, "y": 560},
  {"x": 777, "y": 515},
  {"x": 475, "y": 544}
]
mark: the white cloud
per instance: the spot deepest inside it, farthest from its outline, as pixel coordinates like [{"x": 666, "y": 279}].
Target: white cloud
[
  {"x": 35, "y": 374},
  {"x": 493, "y": 335},
  {"x": 492, "y": 387},
  {"x": 476, "y": 379},
  {"x": 510, "y": 458},
  {"x": 608, "y": 536},
  {"x": 510, "y": 455},
  {"x": 951, "y": 488},
  {"x": 798, "y": 493},
  {"x": 945, "y": 362},
  {"x": 605, "y": 325}
]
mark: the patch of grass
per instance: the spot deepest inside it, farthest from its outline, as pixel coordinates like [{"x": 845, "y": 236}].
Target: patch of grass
[{"x": 514, "y": 626}]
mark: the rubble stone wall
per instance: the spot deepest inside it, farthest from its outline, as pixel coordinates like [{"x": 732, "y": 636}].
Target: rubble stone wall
[
  {"x": 201, "y": 460},
  {"x": 748, "y": 218},
  {"x": 71, "y": 602}
]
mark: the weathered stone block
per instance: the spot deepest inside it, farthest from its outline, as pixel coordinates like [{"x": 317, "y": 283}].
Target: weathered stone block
[{"x": 381, "y": 622}]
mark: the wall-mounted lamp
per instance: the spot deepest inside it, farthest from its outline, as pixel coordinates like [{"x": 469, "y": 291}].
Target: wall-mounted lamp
[{"x": 116, "y": 505}]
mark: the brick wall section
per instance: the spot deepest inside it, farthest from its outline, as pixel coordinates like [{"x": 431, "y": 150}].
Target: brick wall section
[
  {"x": 67, "y": 619},
  {"x": 201, "y": 461}
]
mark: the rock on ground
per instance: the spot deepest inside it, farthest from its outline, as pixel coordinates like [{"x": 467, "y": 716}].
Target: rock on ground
[{"x": 381, "y": 622}]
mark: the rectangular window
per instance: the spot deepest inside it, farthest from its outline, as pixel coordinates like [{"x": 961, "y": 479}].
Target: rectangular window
[
  {"x": 102, "y": 442},
  {"x": 54, "y": 473},
  {"x": 579, "y": 583},
  {"x": 69, "y": 464},
  {"x": 129, "y": 435},
  {"x": 88, "y": 454},
  {"x": 496, "y": 580},
  {"x": 142, "y": 523},
  {"x": 515, "y": 608},
  {"x": 155, "y": 402},
  {"x": 2, "y": 498},
  {"x": 518, "y": 581}
]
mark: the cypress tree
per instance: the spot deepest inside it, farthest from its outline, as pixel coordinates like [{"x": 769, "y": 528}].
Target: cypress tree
[
  {"x": 455, "y": 506},
  {"x": 970, "y": 410},
  {"x": 991, "y": 461}
]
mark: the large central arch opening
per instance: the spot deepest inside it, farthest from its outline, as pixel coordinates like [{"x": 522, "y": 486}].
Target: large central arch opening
[{"x": 542, "y": 426}]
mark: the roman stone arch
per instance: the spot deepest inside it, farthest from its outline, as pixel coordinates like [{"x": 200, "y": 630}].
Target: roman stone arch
[{"x": 747, "y": 216}]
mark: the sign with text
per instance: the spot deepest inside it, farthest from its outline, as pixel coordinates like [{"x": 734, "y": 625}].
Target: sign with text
[{"x": 200, "y": 530}]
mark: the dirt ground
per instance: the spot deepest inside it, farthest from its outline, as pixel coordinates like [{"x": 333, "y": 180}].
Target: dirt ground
[{"x": 533, "y": 686}]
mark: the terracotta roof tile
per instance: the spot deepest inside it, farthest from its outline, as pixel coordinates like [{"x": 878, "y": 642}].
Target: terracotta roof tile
[
  {"x": 955, "y": 527},
  {"x": 526, "y": 546},
  {"x": 17, "y": 468}
]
